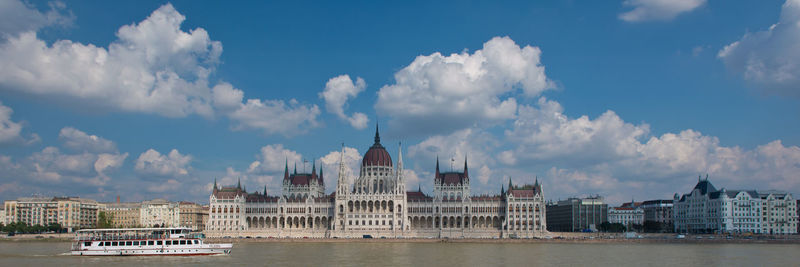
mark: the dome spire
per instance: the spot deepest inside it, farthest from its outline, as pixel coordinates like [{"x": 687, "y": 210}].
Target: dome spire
[{"x": 377, "y": 134}]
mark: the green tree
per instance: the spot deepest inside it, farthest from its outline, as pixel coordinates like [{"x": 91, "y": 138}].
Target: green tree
[
  {"x": 54, "y": 227},
  {"x": 105, "y": 220}
]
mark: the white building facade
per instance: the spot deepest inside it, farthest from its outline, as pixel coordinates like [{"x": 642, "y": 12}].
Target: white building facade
[
  {"x": 708, "y": 210},
  {"x": 628, "y": 216},
  {"x": 376, "y": 205},
  {"x": 160, "y": 212}
]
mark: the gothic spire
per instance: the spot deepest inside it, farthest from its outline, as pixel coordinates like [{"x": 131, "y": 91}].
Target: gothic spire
[
  {"x": 215, "y": 185},
  {"x": 313, "y": 168},
  {"x": 321, "y": 180},
  {"x": 295, "y": 168},
  {"x": 286, "y": 170},
  {"x": 239, "y": 183},
  {"x": 510, "y": 185},
  {"x": 377, "y": 134},
  {"x": 466, "y": 172},
  {"x": 265, "y": 190},
  {"x": 437, "y": 167}
]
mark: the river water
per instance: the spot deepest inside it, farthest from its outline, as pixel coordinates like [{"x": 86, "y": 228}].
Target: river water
[{"x": 430, "y": 254}]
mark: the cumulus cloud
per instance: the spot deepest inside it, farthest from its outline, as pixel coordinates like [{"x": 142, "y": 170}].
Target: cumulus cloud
[
  {"x": 609, "y": 156},
  {"x": 472, "y": 144},
  {"x": 352, "y": 164},
  {"x": 273, "y": 159},
  {"x": 657, "y": 10},
  {"x": 769, "y": 59},
  {"x": 9, "y": 130},
  {"x": 546, "y": 133},
  {"x": 445, "y": 93},
  {"x": 151, "y": 162},
  {"x": 78, "y": 140},
  {"x": 270, "y": 116},
  {"x": 152, "y": 67},
  {"x": 337, "y": 91},
  {"x": 17, "y": 16},
  {"x": 51, "y": 165}
]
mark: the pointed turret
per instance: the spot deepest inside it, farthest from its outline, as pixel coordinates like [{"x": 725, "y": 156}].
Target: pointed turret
[
  {"x": 265, "y": 190},
  {"x": 437, "y": 167},
  {"x": 510, "y": 185},
  {"x": 286, "y": 169},
  {"x": 377, "y": 134},
  {"x": 400, "y": 156},
  {"x": 502, "y": 190},
  {"x": 295, "y": 168},
  {"x": 537, "y": 186},
  {"x": 420, "y": 188},
  {"x": 239, "y": 183},
  {"x": 215, "y": 185},
  {"x": 321, "y": 179},
  {"x": 313, "y": 169},
  {"x": 466, "y": 172}
]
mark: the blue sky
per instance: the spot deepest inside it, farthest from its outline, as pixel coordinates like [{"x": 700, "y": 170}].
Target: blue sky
[{"x": 627, "y": 99}]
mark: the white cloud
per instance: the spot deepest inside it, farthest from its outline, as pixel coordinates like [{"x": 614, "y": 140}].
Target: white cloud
[
  {"x": 769, "y": 59},
  {"x": 445, "y": 93},
  {"x": 78, "y": 140},
  {"x": 9, "y": 130},
  {"x": 352, "y": 164},
  {"x": 165, "y": 186},
  {"x": 273, "y": 159},
  {"x": 51, "y": 165},
  {"x": 609, "y": 156},
  {"x": 546, "y": 133},
  {"x": 17, "y": 16},
  {"x": 152, "y": 67},
  {"x": 657, "y": 10},
  {"x": 472, "y": 144},
  {"x": 337, "y": 90},
  {"x": 275, "y": 116},
  {"x": 151, "y": 162}
]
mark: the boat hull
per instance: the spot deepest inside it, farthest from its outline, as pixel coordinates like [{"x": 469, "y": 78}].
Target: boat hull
[{"x": 207, "y": 249}]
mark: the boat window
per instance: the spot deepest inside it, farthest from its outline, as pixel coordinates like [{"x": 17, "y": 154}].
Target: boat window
[
  {"x": 99, "y": 244},
  {"x": 195, "y": 242},
  {"x": 129, "y": 243},
  {"x": 150, "y": 243},
  {"x": 87, "y": 244},
  {"x": 183, "y": 242},
  {"x": 114, "y": 243},
  {"x": 159, "y": 242},
  {"x": 108, "y": 244},
  {"x": 169, "y": 242},
  {"x": 135, "y": 243}
]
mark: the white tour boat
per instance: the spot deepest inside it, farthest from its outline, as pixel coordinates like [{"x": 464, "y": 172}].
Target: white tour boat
[{"x": 144, "y": 242}]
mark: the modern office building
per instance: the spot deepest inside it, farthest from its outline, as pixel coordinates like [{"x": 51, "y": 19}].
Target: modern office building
[{"x": 576, "y": 214}]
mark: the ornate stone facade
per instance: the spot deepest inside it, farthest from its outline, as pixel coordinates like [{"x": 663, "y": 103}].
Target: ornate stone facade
[{"x": 377, "y": 205}]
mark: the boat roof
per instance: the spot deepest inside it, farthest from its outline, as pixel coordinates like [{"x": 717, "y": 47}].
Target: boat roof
[{"x": 132, "y": 229}]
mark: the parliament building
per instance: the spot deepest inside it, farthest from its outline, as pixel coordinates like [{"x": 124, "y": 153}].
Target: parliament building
[{"x": 377, "y": 205}]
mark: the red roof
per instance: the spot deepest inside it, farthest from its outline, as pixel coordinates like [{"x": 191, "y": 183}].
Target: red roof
[
  {"x": 377, "y": 155},
  {"x": 417, "y": 196},
  {"x": 301, "y": 178},
  {"x": 522, "y": 193},
  {"x": 453, "y": 177},
  {"x": 229, "y": 193}
]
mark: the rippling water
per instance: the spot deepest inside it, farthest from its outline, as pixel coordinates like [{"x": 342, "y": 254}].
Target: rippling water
[{"x": 431, "y": 254}]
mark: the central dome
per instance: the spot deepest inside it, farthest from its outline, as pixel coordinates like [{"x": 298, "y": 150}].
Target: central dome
[{"x": 377, "y": 155}]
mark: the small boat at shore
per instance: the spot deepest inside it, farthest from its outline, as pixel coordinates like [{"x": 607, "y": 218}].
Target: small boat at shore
[{"x": 176, "y": 241}]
